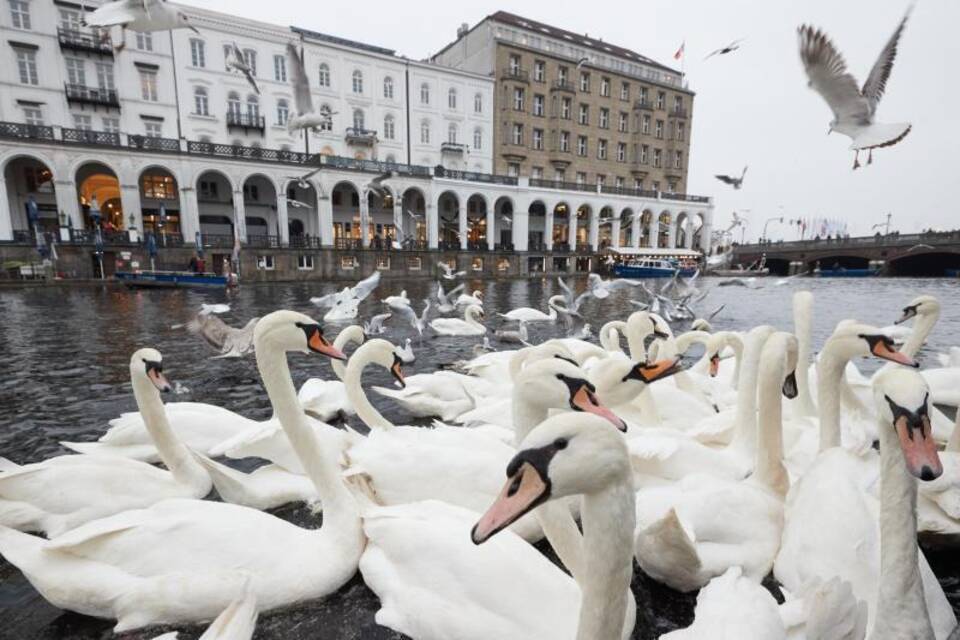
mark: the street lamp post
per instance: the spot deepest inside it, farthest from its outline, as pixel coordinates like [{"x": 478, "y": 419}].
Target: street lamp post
[
  {"x": 769, "y": 220},
  {"x": 885, "y": 225}
]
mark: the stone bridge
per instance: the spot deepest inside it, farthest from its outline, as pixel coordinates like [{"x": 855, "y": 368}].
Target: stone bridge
[{"x": 921, "y": 254}]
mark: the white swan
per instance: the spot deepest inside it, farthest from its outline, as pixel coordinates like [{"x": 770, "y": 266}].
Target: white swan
[
  {"x": 938, "y": 504},
  {"x": 831, "y": 517},
  {"x": 326, "y": 399},
  {"x": 63, "y": 492},
  {"x": 469, "y": 326},
  {"x": 529, "y": 314},
  {"x": 237, "y": 622},
  {"x": 435, "y": 584},
  {"x": 475, "y": 298},
  {"x": 692, "y": 531},
  {"x": 128, "y": 565}
]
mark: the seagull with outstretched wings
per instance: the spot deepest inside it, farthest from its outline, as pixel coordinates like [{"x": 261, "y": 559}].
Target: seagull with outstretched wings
[
  {"x": 146, "y": 16},
  {"x": 304, "y": 117},
  {"x": 345, "y": 303},
  {"x": 722, "y": 51},
  {"x": 733, "y": 181},
  {"x": 236, "y": 61},
  {"x": 853, "y": 108}
]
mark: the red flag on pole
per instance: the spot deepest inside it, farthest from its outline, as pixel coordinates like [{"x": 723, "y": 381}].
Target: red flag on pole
[{"x": 679, "y": 53}]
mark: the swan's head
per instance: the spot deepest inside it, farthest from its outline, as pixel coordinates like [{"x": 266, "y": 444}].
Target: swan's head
[
  {"x": 352, "y": 334},
  {"x": 292, "y": 331},
  {"x": 564, "y": 455},
  {"x": 715, "y": 345},
  {"x": 851, "y": 339},
  {"x": 786, "y": 346},
  {"x": 385, "y": 354},
  {"x": 700, "y": 324},
  {"x": 478, "y": 295},
  {"x": 646, "y": 323},
  {"x": 148, "y": 363},
  {"x": 921, "y": 305},
  {"x": 902, "y": 398},
  {"x": 475, "y": 312},
  {"x": 556, "y": 383},
  {"x": 618, "y": 380}
]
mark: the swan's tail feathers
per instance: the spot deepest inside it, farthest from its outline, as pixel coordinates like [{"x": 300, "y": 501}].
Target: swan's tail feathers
[
  {"x": 20, "y": 549},
  {"x": 360, "y": 485},
  {"x": 832, "y": 611},
  {"x": 880, "y": 135},
  {"x": 396, "y": 394},
  {"x": 8, "y": 465},
  {"x": 238, "y": 621},
  {"x": 232, "y": 485},
  {"x": 142, "y": 452},
  {"x": 667, "y": 554}
]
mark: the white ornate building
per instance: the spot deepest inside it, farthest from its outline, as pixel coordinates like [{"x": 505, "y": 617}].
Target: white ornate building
[{"x": 161, "y": 137}]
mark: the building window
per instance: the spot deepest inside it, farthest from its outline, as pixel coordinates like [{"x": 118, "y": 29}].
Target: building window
[
  {"x": 105, "y": 76},
  {"x": 153, "y": 129},
  {"x": 514, "y": 65},
  {"x": 283, "y": 112},
  {"x": 20, "y": 14},
  {"x": 601, "y": 179},
  {"x": 584, "y": 115},
  {"x": 661, "y": 100},
  {"x": 478, "y": 103},
  {"x": 424, "y": 93},
  {"x": 425, "y": 132},
  {"x": 82, "y": 121},
  {"x": 517, "y": 99},
  {"x": 144, "y": 41},
  {"x": 478, "y": 138},
  {"x": 645, "y": 127},
  {"x": 70, "y": 20},
  {"x": 148, "y": 85},
  {"x": 358, "y": 81},
  {"x": 27, "y": 65},
  {"x": 658, "y": 131},
  {"x": 638, "y": 184},
  {"x": 585, "y": 82},
  {"x": 324, "y": 80},
  {"x": 452, "y": 133},
  {"x": 643, "y": 94},
  {"x": 560, "y": 175},
  {"x": 539, "y": 70},
  {"x": 251, "y": 193},
  {"x": 680, "y": 131},
  {"x": 538, "y": 105},
  {"x": 414, "y": 263},
  {"x": 562, "y": 75},
  {"x": 622, "y": 123},
  {"x": 358, "y": 119},
  {"x": 624, "y": 90},
  {"x": 604, "y": 118},
  {"x": 305, "y": 262},
  {"x": 253, "y": 107},
  {"x": 565, "y": 106},
  {"x": 383, "y": 262},
  {"x": 538, "y": 139},
  {"x": 389, "y": 129},
  {"x": 656, "y": 157},
  {"x": 33, "y": 116},
  {"x": 513, "y": 169},
  {"x": 581, "y": 145},
  {"x": 621, "y": 152},
  {"x": 452, "y": 98},
  {"x": 76, "y": 72},
  {"x": 201, "y": 102},
  {"x": 644, "y": 154},
  {"x": 536, "y": 173},
  {"x": 111, "y": 125},
  {"x": 601, "y": 149},
  {"x": 581, "y": 177},
  {"x": 327, "y": 123},
  {"x": 158, "y": 187},
  {"x": 265, "y": 263},
  {"x": 208, "y": 190},
  {"x": 565, "y": 141},
  {"x": 605, "y": 87},
  {"x": 678, "y": 104},
  {"x": 197, "y": 53},
  {"x": 678, "y": 160},
  {"x": 280, "y": 68},
  {"x": 348, "y": 263},
  {"x": 618, "y": 182},
  {"x": 250, "y": 57},
  {"x": 388, "y": 88},
  {"x": 233, "y": 103},
  {"x": 517, "y": 134}
]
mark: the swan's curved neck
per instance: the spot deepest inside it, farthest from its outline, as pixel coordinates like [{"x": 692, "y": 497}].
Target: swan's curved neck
[
  {"x": 608, "y": 518},
  {"x": 830, "y": 371},
  {"x": 344, "y": 338},
  {"x": 768, "y": 466},
  {"x": 953, "y": 444},
  {"x": 174, "y": 454},
  {"x": 685, "y": 340},
  {"x": 352, "y": 381},
  {"x": 470, "y": 317},
  {"x": 901, "y": 608},
  {"x": 803, "y": 327},
  {"x": 635, "y": 337},
  {"x": 320, "y": 462},
  {"x": 922, "y": 327},
  {"x": 610, "y": 335},
  {"x": 745, "y": 429}
]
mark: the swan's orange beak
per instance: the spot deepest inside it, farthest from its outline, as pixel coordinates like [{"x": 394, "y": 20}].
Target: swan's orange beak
[
  {"x": 648, "y": 373},
  {"x": 919, "y": 448},
  {"x": 883, "y": 350},
  {"x": 714, "y": 365},
  {"x": 523, "y": 491},
  {"x": 583, "y": 399},
  {"x": 318, "y": 344}
]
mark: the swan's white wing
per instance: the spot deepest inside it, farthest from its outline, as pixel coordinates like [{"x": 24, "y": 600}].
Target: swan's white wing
[
  {"x": 828, "y": 76},
  {"x": 876, "y": 82},
  {"x": 365, "y": 287},
  {"x": 325, "y": 301},
  {"x": 299, "y": 81},
  {"x": 237, "y": 622},
  {"x": 621, "y": 283}
]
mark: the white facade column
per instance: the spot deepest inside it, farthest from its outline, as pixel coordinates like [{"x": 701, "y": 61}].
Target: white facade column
[
  {"x": 593, "y": 233},
  {"x": 65, "y": 192},
  {"x": 240, "y": 216},
  {"x": 672, "y": 234},
  {"x": 364, "y": 219},
  {"x": 189, "y": 214},
  {"x": 548, "y": 230},
  {"x": 283, "y": 221},
  {"x": 688, "y": 236},
  {"x": 325, "y": 220},
  {"x": 615, "y": 233},
  {"x": 130, "y": 203},
  {"x": 462, "y": 222},
  {"x": 492, "y": 235},
  {"x": 706, "y": 233},
  {"x": 653, "y": 231},
  {"x": 398, "y": 217},
  {"x": 6, "y": 213},
  {"x": 635, "y": 231},
  {"x": 520, "y": 233},
  {"x": 433, "y": 231}
]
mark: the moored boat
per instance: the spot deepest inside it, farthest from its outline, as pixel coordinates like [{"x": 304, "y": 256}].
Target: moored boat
[
  {"x": 841, "y": 272},
  {"x": 646, "y": 268},
  {"x": 170, "y": 279}
]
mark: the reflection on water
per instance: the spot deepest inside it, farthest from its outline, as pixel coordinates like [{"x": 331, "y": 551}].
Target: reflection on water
[{"x": 64, "y": 357}]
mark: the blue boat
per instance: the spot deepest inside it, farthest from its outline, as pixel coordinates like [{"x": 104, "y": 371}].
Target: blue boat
[
  {"x": 170, "y": 279},
  {"x": 953, "y": 273},
  {"x": 847, "y": 273},
  {"x": 647, "y": 268}
]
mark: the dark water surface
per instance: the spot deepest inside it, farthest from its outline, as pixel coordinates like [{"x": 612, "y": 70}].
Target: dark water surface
[{"x": 64, "y": 355}]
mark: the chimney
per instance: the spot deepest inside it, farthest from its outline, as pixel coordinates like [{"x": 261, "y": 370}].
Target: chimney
[{"x": 462, "y": 30}]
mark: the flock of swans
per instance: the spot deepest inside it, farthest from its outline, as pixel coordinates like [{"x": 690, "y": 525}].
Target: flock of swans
[{"x": 758, "y": 459}]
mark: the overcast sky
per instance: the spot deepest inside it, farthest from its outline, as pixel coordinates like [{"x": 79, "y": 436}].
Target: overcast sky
[{"x": 753, "y": 106}]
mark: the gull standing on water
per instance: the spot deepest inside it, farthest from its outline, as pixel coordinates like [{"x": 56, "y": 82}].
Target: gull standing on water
[{"x": 853, "y": 109}]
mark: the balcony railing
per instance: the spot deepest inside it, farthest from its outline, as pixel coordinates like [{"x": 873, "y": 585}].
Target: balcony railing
[
  {"x": 348, "y": 244},
  {"x": 566, "y": 186},
  {"x": 563, "y": 85},
  {"x": 453, "y": 147},
  {"x": 150, "y": 143},
  {"x": 473, "y": 176},
  {"x": 627, "y": 191},
  {"x": 561, "y": 247},
  {"x": 376, "y": 166},
  {"x": 245, "y": 121},
  {"x": 516, "y": 73},
  {"x": 215, "y": 240},
  {"x": 535, "y": 246},
  {"x": 246, "y": 153},
  {"x": 678, "y": 113},
  {"x": 683, "y": 197},
  {"x": 643, "y": 104},
  {"x": 25, "y": 131},
  {"x": 305, "y": 242},
  {"x": 92, "y": 95},
  {"x": 87, "y": 136},
  {"x": 85, "y": 41},
  {"x": 583, "y": 247},
  {"x": 263, "y": 241},
  {"x": 477, "y": 246},
  {"x": 357, "y": 135}
]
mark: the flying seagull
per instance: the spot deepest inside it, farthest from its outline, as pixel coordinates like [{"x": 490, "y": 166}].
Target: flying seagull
[
  {"x": 236, "y": 61},
  {"x": 304, "y": 117},
  {"x": 853, "y": 109},
  {"x": 343, "y": 304},
  {"x": 302, "y": 180},
  {"x": 297, "y": 204},
  {"x": 733, "y": 181},
  {"x": 139, "y": 15},
  {"x": 376, "y": 185},
  {"x": 448, "y": 273},
  {"x": 730, "y": 48}
]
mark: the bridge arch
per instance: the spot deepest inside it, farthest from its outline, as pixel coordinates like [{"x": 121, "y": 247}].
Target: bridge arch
[{"x": 927, "y": 264}]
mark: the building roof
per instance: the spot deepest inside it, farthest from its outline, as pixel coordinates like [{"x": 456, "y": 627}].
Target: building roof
[{"x": 343, "y": 42}]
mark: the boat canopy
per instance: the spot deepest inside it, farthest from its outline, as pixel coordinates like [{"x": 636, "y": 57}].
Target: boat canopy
[{"x": 653, "y": 252}]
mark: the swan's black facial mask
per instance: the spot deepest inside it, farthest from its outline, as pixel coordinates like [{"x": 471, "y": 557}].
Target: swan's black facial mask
[
  {"x": 155, "y": 375},
  {"x": 916, "y": 440},
  {"x": 908, "y": 312},
  {"x": 317, "y": 343},
  {"x": 397, "y": 370}
]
